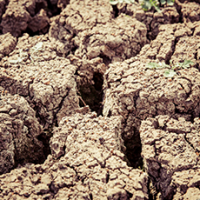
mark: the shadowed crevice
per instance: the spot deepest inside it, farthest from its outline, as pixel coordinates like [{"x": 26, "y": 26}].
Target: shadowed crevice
[{"x": 92, "y": 95}]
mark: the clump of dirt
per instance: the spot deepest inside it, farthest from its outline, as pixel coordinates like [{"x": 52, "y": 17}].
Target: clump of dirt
[
  {"x": 31, "y": 16},
  {"x": 170, "y": 149},
  {"x": 19, "y": 130}
]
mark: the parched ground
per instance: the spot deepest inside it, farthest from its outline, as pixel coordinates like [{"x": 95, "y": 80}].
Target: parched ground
[{"x": 81, "y": 115}]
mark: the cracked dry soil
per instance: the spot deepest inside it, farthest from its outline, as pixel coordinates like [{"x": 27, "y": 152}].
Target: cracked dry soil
[{"x": 81, "y": 117}]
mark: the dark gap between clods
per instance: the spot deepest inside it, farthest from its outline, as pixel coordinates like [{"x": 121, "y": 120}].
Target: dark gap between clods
[
  {"x": 53, "y": 9},
  {"x": 106, "y": 59},
  {"x": 92, "y": 95},
  {"x": 133, "y": 151},
  {"x": 115, "y": 11},
  {"x": 23, "y": 158}
]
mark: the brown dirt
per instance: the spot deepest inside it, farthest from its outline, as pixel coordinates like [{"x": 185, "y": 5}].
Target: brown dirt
[{"x": 81, "y": 117}]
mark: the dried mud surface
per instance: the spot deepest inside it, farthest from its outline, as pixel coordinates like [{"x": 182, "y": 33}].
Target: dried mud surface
[
  {"x": 81, "y": 117},
  {"x": 170, "y": 151}
]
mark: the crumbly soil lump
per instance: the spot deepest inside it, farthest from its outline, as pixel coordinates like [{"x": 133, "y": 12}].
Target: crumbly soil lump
[
  {"x": 8, "y": 43},
  {"x": 47, "y": 82},
  {"x": 152, "y": 20},
  {"x": 86, "y": 163},
  {"x": 135, "y": 92},
  {"x": 21, "y": 15},
  {"x": 170, "y": 149},
  {"x": 177, "y": 42},
  {"x": 19, "y": 129},
  {"x": 92, "y": 32}
]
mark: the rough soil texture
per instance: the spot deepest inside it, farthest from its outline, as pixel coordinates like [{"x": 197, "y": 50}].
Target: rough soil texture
[
  {"x": 81, "y": 116},
  {"x": 92, "y": 32},
  {"x": 177, "y": 42},
  {"x": 45, "y": 80},
  {"x": 86, "y": 163},
  {"x": 170, "y": 149},
  {"x": 19, "y": 129},
  {"x": 8, "y": 43},
  {"x": 153, "y": 21}
]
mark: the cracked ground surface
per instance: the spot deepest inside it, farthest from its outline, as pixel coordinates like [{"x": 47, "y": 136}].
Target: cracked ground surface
[
  {"x": 170, "y": 149},
  {"x": 62, "y": 60},
  {"x": 85, "y": 162}
]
